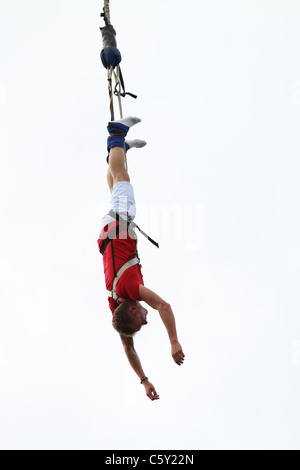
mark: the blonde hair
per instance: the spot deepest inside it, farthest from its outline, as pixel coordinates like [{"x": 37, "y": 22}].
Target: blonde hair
[{"x": 121, "y": 320}]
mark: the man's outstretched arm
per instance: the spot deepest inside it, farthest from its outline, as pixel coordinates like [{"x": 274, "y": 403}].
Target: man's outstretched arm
[
  {"x": 135, "y": 363},
  {"x": 167, "y": 316}
]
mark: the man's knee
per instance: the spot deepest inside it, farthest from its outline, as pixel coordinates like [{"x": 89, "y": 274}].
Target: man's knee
[{"x": 121, "y": 175}]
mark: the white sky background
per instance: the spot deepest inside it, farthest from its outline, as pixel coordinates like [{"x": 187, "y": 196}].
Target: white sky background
[{"x": 218, "y": 85}]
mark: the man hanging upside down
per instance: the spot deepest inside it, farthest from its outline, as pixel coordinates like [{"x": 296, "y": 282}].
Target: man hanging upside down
[{"x": 118, "y": 245}]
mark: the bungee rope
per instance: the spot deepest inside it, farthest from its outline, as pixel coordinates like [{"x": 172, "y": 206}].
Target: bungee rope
[
  {"x": 106, "y": 12},
  {"x": 111, "y": 58}
]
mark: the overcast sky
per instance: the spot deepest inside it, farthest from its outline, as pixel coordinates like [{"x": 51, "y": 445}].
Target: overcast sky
[{"x": 218, "y": 85}]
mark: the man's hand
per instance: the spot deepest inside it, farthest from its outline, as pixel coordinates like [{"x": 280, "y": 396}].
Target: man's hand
[
  {"x": 177, "y": 353},
  {"x": 150, "y": 391}
]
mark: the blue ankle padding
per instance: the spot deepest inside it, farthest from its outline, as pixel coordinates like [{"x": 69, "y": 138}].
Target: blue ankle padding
[
  {"x": 117, "y": 125},
  {"x": 114, "y": 141},
  {"x": 110, "y": 57}
]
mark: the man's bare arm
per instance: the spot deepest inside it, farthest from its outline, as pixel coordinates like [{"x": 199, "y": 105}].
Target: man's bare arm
[
  {"x": 136, "y": 365},
  {"x": 167, "y": 316}
]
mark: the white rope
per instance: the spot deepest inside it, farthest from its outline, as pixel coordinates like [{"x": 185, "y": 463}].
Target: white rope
[
  {"x": 110, "y": 91},
  {"x": 106, "y": 10},
  {"x": 117, "y": 83}
]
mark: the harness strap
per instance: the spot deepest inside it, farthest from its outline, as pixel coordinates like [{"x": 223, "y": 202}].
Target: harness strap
[
  {"x": 125, "y": 266},
  {"x": 120, "y": 86},
  {"x": 131, "y": 224}
]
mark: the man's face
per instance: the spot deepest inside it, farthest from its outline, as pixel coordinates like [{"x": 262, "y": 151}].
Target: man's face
[{"x": 139, "y": 315}]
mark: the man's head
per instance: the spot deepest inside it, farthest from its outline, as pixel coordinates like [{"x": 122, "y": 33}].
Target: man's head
[{"x": 129, "y": 317}]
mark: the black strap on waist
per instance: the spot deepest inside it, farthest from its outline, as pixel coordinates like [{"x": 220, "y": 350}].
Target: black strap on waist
[
  {"x": 130, "y": 225},
  {"x": 112, "y": 235},
  {"x": 104, "y": 245},
  {"x": 124, "y": 225}
]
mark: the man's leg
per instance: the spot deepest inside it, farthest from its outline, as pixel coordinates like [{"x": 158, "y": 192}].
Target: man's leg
[
  {"x": 110, "y": 180},
  {"x": 117, "y": 165},
  {"x": 117, "y": 146}
]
